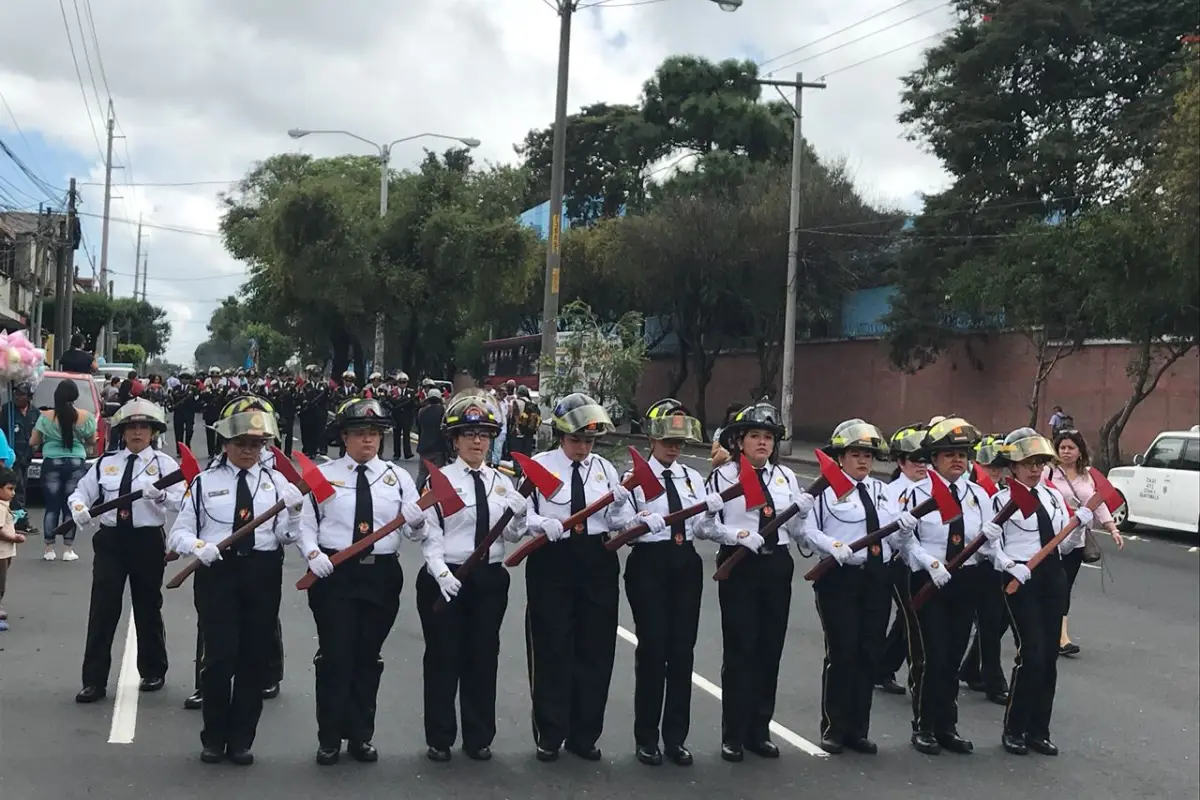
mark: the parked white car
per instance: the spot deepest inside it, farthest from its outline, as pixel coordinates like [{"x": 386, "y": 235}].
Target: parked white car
[{"x": 1162, "y": 488}]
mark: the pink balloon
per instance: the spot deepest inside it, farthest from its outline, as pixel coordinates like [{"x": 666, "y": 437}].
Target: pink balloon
[{"x": 18, "y": 339}]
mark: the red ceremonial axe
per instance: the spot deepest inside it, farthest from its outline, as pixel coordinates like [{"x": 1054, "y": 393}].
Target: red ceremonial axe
[
  {"x": 941, "y": 500},
  {"x": 747, "y": 486},
  {"x": 441, "y": 491},
  {"x": 832, "y": 477},
  {"x": 536, "y": 477},
  {"x": 1105, "y": 493},
  {"x": 311, "y": 482},
  {"x": 642, "y": 475}
]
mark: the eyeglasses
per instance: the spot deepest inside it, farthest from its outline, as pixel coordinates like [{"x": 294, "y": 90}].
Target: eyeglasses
[{"x": 476, "y": 434}]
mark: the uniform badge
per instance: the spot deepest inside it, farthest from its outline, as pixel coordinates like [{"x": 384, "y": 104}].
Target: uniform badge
[
  {"x": 768, "y": 512},
  {"x": 876, "y": 550},
  {"x": 216, "y": 493},
  {"x": 244, "y": 513},
  {"x": 152, "y": 469},
  {"x": 956, "y": 539},
  {"x": 124, "y": 513},
  {"x": 679, "y": 538},
  {"x": 500, "y": 490},
  {"x": 971, "y": 501},
  {"x": 579, "y": 527},
  {"x": 364, "y": 527},
  {"x": 780, "y": 481},
  {"x": 600, "y": 478},
  {"x": 268, "y": 486},
  {"x": 112, "y": 470},
  {"x": 389, "y": 479}
]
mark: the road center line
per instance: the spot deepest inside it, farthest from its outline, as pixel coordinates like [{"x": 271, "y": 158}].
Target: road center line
[
  {"x": 789, "y": 736},
  {"x": 124, "y": 718}
]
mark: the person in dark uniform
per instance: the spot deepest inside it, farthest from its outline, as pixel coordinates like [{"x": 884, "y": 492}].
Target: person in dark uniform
[
  {"x": 404, "y": 414},
  {"x": 355, "y": 606},
  {"x": 664, "y": 582},
  {"x": 128, "y": 547},
  {"x": 853, "y": 599},
  {"x": 237, "y": 593},
  {"x": 572, "y": 586},
  {"x": 431, "y": 445},
  {"x": 212, "y": 397},
  {"x": 1036, "y": 609},
  {"x": 183, "y": 401},
  {"x": 313, "y": 411},
  {"x": 462, "y": 640},
  {"x": 285, "y": 397}
]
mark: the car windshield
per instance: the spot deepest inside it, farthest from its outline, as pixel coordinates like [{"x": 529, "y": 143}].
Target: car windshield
[{"x": 43, "y": 395}]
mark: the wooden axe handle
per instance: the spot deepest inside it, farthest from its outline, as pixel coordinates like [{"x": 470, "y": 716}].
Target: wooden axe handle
[
  {"x": 735, "y": 558},
  {"x": 874, "y": 537},
  {"x": 124, "y": 500},
  {"x": 1051, "y": 547},
  {"x": 227, "y": 542},
  {"x": 930, "y": 589},
  {"x": 629, "y": 534},
  {"x": 536, "y": 543}
]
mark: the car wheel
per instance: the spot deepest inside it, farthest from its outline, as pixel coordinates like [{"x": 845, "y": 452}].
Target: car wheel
[{"x": 1121, "y": 515}]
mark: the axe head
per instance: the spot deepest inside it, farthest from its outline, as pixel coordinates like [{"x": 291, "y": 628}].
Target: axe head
[
  {"x": 945, "y": 501},
  {"x": 443, "y": 491},
  {"x": 833, "y": 475},
  {"x": 1107, "y": 493},
  {"x": 1024, "y": 499},
  {"x": 284, "y": 466},
  {"x": 318, "y": 484},
  {"x": 187, "y": 463},
  {"x": 985, "y": 481},
  {"x": 541, "y": 478},
  {"x": 644, "y": 476},
  {"x": 752, "y": 491}
]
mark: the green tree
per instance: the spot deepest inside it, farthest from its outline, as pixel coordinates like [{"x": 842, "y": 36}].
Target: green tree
[{"x": 130, "y": 354}]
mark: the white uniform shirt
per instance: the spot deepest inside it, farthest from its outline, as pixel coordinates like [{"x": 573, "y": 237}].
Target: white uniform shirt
[
  {"x": 932, "y": 535},
  {"x": 1021, "y": 538},
  {"x": 102, "y": 482},
  {"x": 899, "y": 492},
  {"x": 846, "y": 521},
  {"x": 452, "y": 539},
  {"x": 210, "y": 504},
  {"x": 690, "y": 486},
  {"x": 599, "y": 477},
  {"x": 781, "y": 483},
  {"x": 331, "y": 525}
]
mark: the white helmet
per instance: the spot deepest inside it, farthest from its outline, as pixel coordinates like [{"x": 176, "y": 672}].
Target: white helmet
[{"x": 143, "y": 411}]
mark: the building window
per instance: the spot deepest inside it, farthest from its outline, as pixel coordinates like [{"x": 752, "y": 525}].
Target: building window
[{"x": 8, "y": 258}]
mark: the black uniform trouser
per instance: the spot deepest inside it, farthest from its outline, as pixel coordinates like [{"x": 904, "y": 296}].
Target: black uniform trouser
[
  {"x": 134, "y": 555},
  {"x": 237, "y": 600},
  {"x": 462, "y": 652},
  {"x": 312, "y": 433},
  {"x": 571, "y": 638},
  {"x": 438, "y": 459},
  {"x": 938, "y": 636},
  {"x": 274, "y": 662},
  {"x": 185, "y": 425},
  {"x": 287, "y": 430},
  {"x": 1036, "y": 612},
  {"x": 755, "y": 601},
  {"x": 663, "y": 583},
  {"x": 852, "y": 602},
  {"x": 982, "y": 663},
  {"x": 403, "y": 440},
  {"x": 895, "y": 648},
  {"x": 354, "y": 609},
  {"x": 210, "y": 436}
]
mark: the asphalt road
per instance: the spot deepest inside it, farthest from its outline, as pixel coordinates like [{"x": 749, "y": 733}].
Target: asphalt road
[{"x": 1126, "y": 716}]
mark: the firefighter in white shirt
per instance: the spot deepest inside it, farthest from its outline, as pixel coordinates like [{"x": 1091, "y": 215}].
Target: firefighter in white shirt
[
  {"x": 237, "y": 593},
  {"x": 1037, "y": 608},
  {"x": 853, "y": 599},
  {"x": 462, "y": 640},
  {"x": 355, "y": 606},
  {"x": 664, "y": 583},
  {"x": 572, "y": 586},
  {"x": 128, "y": 547},
  {"x": 942, "y": 627}
]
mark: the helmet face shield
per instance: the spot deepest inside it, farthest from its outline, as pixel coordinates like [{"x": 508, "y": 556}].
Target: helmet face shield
[
  {"x": 953, "y": 433},
  {"x": 586, "y": 420},
  {"x": 254, "y": 424},
  {"x": 860, "y": 435},
  {"x": 1029, "y": 447},
  {"x": 677, "y": 427}
]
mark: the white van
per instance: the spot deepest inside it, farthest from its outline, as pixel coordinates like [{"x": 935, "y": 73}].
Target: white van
[{"x": 1162, "y": 488}]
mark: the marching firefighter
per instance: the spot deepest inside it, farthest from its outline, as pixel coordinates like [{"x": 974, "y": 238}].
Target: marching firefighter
[
  {"x": 664, "y": 583},
  {"x": 128, "y": 547},
  {"x": 212, "y": 398},
  {"x": 183, "y": 401},
  {"x": 572, "y": 586},
  {"x": 286, "y": 397},
  {"x": 853, "y": 599},
  {"x": 462, "y": 640},
  {"x": 942, "y": 626},
  {"x": 1037, "y": 608},
  {"x": 313, "y": 411},
  {"x": 355, "y": 606},
  {"x": 237, "y": 594},
  {"x": 756, "y": 597},
  {"x": 404, "y": 412}
]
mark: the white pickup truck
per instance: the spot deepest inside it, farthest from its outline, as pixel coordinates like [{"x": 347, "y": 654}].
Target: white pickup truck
[{"x": 1162, "y": 488}]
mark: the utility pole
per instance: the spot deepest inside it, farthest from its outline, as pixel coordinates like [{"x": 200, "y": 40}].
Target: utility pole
[
  {"x": 145, "y": 266},
  {"x": 137, "y": 259},
  {"x": 385, "y": 159},
  {"x": 793, "y": 256},
  {"x": 72, "y": 244},
  {"x": 108, "y": 168}
]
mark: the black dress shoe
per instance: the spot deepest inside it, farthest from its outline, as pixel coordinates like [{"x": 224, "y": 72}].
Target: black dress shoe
[
  {"x": 999, "y": 698},
  {"x": 271, "y": 692},
  {"x": 194, "y": 701},
  {"x": 680, "y": 755},
  {"x": 862, "y": 745},
  {"x": 327, "y": 756},
  {"x": 732, "y": 752},
  {"x": 589, "y": 753},
  {"x": 547, "y": 753},
  {"x": 974, "y": 683},
  {"x": 890, "y": 686},
  {"x": 763, "y": 749},
  {"x": 831, "y": 746},
  {"x": 212, "y": 755},
  {"x": 924, "y": 742},
  {"x": 1039, "y": 745},
  {"x": 1014, "y": 743},
  {"x": 1068, "y": 649},
  {"x": 151, "y": 684},
  {"x": 90, "y": 694},
  {"x": 651, "y": 756},
  {"x": 240, "y": 756},
  {"x": 438, "y": 754},
  {"x": 478, "y": 753},
  {"x": 950, "y": 740},
  {"x": 363, "y": 751}
]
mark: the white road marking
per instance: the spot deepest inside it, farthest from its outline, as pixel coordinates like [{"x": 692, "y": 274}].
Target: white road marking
[
  {"x": 1194, "y": 549},
  {"x": 124, "y": 719},
  {"x": 1090, "y": 566},
  {"x": 789, "y": 736}
]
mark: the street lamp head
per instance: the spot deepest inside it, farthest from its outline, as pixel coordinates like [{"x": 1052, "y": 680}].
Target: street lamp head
[
  {"x": 296, "y": 133},
  {"x": 728, "y": 5},
  {"x": 470, "y": 142}
]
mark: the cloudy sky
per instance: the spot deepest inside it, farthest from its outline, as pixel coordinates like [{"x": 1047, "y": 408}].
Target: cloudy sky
[{"x": 204, "y": 88}]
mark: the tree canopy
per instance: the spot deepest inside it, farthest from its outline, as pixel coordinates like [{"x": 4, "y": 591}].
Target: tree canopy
[{"x": 134, "y": 321}]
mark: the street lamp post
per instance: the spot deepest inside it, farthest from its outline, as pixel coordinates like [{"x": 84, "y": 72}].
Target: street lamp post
[
  {"x": 566, "y": 9},
  {"x": 385, "y": 157}
]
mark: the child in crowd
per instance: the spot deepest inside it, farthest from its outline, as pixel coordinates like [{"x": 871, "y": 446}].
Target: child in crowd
[{"x": 9, "y": 538}]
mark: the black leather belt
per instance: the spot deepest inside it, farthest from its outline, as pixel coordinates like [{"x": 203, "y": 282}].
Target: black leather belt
[{"x": 371, "y": 558}]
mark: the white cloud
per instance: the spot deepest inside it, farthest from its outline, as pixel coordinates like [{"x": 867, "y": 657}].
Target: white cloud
[{"x": 203, "y": 88}]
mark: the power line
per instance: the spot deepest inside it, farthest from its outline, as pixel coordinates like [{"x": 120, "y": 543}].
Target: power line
[
  {"x": 214, "y": 276},
  {"x": 87, "y": 7},
  {"x": 172, "y": 183},
  {"x": 79, "y": 77},
  {"x": 607, "y": 4},
  {"x": 21, "y": 133},
  {"x": 171, "y": 228},
  {"x": 87, "y": 59},
  {"x": 889, "y": 52},
  {"x": 829, "y": 36}
]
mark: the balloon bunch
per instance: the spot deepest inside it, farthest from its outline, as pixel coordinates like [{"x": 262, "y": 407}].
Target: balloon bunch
[{"x": 20, "y": 361}]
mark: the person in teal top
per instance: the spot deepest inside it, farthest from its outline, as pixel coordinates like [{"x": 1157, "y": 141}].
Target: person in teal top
[{"x": 63, "y": 435}]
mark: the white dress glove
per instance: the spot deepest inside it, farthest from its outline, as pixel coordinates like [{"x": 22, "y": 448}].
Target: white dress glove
[
  {"x": 519, "y": 505},
  {"x": 907, "y": 523},
  {"x": 940, "y": 575},
  {"x": 750, "y": 540},
  {"x": 714, "y": 503},
  {"x": 208, "y": 554},
  {"x": 152, "y": 492},
  {"x": 82, "y": 518},
  {"x": 840, "y": 552},
  {"x": 553, "y": 529},
  {"x": 620, "y": 495},
  {"x": 292, "y": 499},
  {"x": 320, "y": 565},
  {"x": 654, "y": 522},
  {"x": 992, "y": 531},
  {"x": 805, "y": 502},
  {"x": 1085, "y": 516},
  {"x": 448, "y": 585},
  {"x": 414, "y": 517},
  {"x": 856, "y": 557},
  {"x": 1018, "y": 571}
]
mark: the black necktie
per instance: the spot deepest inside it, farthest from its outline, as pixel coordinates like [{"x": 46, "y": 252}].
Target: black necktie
[
  {"x": 125, "y": 515},
  {"x": 364, "y": 506},
  {"x": 674, "y": 504},
  {"x": 578, "y": 495},
  {"x": 768, "y": 510},
  {"x": 954, "y": 545},
  {"x": 483, "y": 516},
  {"x": 1045, "y": 526},
  {"x": 244, "y": 513},
  {"x": 875, "y": 551}
]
